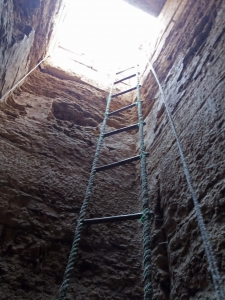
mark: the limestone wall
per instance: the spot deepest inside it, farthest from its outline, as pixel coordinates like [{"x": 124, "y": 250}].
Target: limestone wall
[
  {"x": 190, "y": 66},
  {"x": 26, "y": 28},
  {"x": 48, "y": 133}
]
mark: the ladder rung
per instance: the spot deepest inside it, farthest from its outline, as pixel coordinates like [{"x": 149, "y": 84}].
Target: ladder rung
[
  {"x": 131, "y": 76},
  {"x": 124, "y": 70},
  {"x": 112, "y": 219},
  {"x": 118, "y": 163},
  {"x": 131, "y": 127},
  {"x": 124, "y": 92},
  {"x": 122, "y": 109}
]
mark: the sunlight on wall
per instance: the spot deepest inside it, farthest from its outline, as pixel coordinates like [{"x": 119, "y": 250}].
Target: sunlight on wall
[{"x": 106, "y": 33}]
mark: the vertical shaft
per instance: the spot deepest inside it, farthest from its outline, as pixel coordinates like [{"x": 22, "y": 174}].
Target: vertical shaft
[{"x": 145, "y": 205}]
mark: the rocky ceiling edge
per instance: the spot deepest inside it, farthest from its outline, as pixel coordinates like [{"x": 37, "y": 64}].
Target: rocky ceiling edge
[{"x": 152, "y": 7}]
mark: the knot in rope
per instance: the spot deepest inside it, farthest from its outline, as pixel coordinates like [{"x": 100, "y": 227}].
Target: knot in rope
[
  {"x": 147, "y": 214},
  {"x": 143, "y": 154}
]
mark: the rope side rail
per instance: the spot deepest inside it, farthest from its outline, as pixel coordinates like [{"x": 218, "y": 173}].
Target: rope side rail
[
  {"x": 13, "y": 88},
  {"x": 220, "y": 295},
  {"x": 148, "y": 291},
  {"x": 80, "y": 223}
]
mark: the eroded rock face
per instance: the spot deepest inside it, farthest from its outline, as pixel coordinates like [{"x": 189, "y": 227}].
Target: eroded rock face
[
  {"x": 48, "y": 135},
  {"x": 25, "y": 32},
  {"x": 152, "y": 7},
  {"x": 190, "y": 67}
]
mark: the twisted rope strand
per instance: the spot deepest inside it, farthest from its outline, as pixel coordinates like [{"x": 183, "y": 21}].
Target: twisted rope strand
[
  {"x": 77, "y": 236},
  {"x": 25, "y": 76},
  {"x": 206, "y": 241}
]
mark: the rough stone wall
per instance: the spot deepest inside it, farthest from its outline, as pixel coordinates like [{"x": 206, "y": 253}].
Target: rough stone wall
[
  {"x": 190, "y": 67},
  {"x": 152, "y": 7},
  {"x": 48, "y": 133},
  {"x": 26, "y": 29}
]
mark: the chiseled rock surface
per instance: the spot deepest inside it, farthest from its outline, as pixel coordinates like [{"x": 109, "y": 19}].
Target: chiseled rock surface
[
  {"x": 152, "y": 7},
  {"x": 191, "y": 70},
  {"x": 26, "y": 29},
  {"x": 48, "y": 135}
]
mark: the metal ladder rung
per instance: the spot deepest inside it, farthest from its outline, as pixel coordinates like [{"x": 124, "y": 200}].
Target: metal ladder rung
[
  {"x": 118, "y": 163},
  {"x": 131, "y": 127},
  {"x": 124, "y": 92},
  {"x": 128, "y": 77},
  {"x": 124, "y": 70},
  {"x": 112, "y": 219},
  {"x": 122, "y": 109}
]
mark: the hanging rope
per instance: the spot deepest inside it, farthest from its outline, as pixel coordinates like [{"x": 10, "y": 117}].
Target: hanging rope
[
  {"x": 146, "y": 212},
  {"x": 77, "y": 236},
  {"x": 206, "y": 241},
  {"x": 13, "y": 88}
]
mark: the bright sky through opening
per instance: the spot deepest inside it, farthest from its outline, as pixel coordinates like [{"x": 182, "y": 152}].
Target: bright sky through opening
[{"x": 107, "y": 32}]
